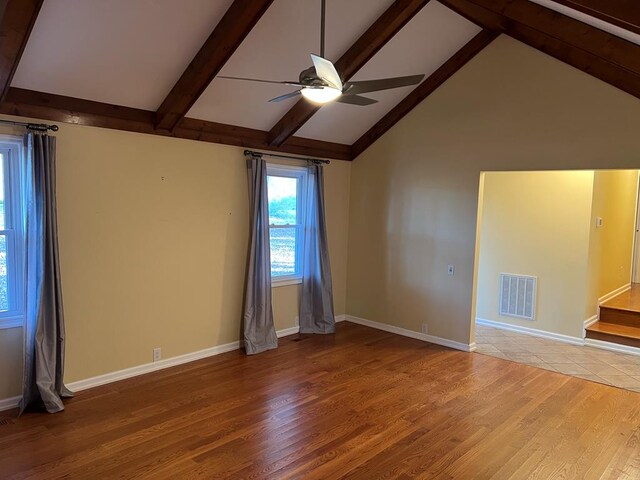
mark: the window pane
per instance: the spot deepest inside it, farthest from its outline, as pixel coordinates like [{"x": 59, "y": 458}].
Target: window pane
[
  {"x": 283, "y": 251},
  {"x": 4, "y": 291},
  {"x": 282, "y": 200},
  {"x": 2, "y": 221}
]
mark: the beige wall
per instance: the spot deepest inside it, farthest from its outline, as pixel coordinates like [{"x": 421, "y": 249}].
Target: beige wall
[
  {"x": 611, "y": 246},
  {"x": 10, "y": 362},
  {"x": 414, "y": 193},
  {"x": 412, "y": 209},
  {"x": 153, "y": 240},
  {"x": 537, "y": 223}
]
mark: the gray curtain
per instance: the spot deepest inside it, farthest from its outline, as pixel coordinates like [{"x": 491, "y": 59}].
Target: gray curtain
[
  {"x": 258, "y": 329},
  {"x": 316, "y": 302},
  {"x": 44, "y": 322}
]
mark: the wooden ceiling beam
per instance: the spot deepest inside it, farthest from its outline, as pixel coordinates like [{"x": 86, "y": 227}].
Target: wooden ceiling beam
[
  {"x": 593, "y": 51},
  {"x": 378, "y": 34},
  {"x": 58, "y": 108},
  {"x": 437, "y": 78},
  {"x": 567, "y": 30},
  {"x": 226, "y": 37},
  {"x": 16, "y": 22},
  {"x": 586, "y": 48},
  {"x": 622, "y": 13}
]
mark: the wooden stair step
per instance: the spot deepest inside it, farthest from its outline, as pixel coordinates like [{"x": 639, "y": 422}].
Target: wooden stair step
[
  {"x": 615, "y": 333},
  {"x": 619, "y": 316}
]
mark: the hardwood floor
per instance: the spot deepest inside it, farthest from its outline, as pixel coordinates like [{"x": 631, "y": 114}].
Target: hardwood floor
[
  {"x": 361, "y": 404},
  {"x": 629, "y": 300}
]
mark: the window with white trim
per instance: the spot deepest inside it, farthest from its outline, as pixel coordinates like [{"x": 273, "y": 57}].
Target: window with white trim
[
  {"x": 286, "y": 188},
  {"x": 12, "y": 241}
]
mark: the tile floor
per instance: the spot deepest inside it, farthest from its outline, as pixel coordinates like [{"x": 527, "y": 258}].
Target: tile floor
[{"x": 602, "y": 366}]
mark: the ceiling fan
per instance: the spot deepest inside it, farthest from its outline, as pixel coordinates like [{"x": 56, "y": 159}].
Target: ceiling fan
[{"x": 321, "y": 83}]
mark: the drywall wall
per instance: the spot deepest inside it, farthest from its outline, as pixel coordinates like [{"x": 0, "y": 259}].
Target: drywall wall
[
  {"x": 153, "y": 239},
  {"x": 611, "y": 245},
  {"x": 537, "y": 223},
  {"x": 414, "y": 193},
  {"x": 10, "y": 362}
]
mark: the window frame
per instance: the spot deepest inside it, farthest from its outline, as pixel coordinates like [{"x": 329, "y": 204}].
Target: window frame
[
  {"x": 12, "y": 150},
  {"x": 301, "y": 174}
]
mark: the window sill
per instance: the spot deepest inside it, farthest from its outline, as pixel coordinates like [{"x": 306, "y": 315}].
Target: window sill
[
  {"x": 15, "y": 322},
  {"x": 286, "y": 282}
]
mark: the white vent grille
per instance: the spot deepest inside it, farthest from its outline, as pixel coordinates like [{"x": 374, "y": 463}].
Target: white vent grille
[{"x": 518, "y": 295}]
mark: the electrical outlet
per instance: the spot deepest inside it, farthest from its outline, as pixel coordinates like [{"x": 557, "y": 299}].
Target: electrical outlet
[
  {"x": 450, "y": 269},
  {"x": 157, "y": 354},
  {"x": 425, "y": 328}
]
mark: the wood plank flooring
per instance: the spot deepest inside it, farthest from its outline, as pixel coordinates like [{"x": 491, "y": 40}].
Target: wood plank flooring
[
  {"x": 629, "y": 300},
  {"x": 362, "y": 404}
]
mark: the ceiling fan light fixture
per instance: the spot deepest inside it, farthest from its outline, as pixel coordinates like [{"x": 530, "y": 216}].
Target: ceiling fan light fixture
[{"x": 320, "y": 95}]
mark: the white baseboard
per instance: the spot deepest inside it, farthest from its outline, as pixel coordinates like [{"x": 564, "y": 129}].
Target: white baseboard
[
  {"x": 614, "y": 347},
  {"x": 9, "y": 403},
  {"x": 410, "y": 333},
  {"x": 287, "y": 331},
  {"x": 615, "y": 293},
  {"x": 590, "y": 321},
  {"x": 151, "y": 367},
  {"x": 531, "y": 331}
]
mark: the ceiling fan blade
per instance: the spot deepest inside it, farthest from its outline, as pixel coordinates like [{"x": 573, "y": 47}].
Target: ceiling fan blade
[
  {"x": 285, "y": 96},
  {"x": 295, "y": 84},
  {"x": 326, "y": 71},
  {"x": 356, "y": 100},
  {"x": 354, "y": 88}
]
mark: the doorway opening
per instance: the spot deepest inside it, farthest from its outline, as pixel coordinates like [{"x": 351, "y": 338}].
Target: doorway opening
[{"x": 555, "y": 260}]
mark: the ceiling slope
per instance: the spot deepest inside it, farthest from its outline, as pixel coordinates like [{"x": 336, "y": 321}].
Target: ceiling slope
[
  {"x": 380, "y": 32},
  {"x": 123, "y": 52},
  {"x": 441, "y": 75},
  {"x": 226, "y": 37},
  {"x": 17, "y": 18},
  {"x": 278, "y": 49},
  {"x": 431, "y": 38}
]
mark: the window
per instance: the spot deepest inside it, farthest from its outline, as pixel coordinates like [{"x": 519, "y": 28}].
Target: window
[
  {"x": 286, "y": 187},
  {"x": 11, "y": 234}
]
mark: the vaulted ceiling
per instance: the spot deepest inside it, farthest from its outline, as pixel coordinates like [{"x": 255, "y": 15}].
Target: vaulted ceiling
[{"x": 154, "y": 66}]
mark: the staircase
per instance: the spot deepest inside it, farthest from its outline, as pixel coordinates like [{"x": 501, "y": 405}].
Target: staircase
[{"x": 619, "y": 319}]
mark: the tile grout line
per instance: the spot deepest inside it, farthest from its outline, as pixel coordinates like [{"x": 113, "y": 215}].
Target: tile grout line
[{"x": 559, "y": 357}]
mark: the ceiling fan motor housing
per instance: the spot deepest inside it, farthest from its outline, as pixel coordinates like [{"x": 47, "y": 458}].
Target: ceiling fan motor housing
[{"x": 310, "y": 78}]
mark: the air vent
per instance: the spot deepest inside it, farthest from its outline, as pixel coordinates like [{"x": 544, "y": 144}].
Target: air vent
[{"x": 518, "y": 295}]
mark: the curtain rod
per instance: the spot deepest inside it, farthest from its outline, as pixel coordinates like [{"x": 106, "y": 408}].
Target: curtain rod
[
  {"x": 286, "y": 157},
  {"x": 41, "y": 127}
]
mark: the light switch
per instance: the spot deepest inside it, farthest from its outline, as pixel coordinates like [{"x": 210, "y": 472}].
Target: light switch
[{"x": 599, "y": 222}]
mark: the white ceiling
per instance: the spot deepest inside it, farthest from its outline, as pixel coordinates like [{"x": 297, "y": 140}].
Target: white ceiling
[
  {"x": 426, "y": 42},
  {"x": 131, "y": 52},
  {"x": 423, "y": 45},
  {"x": 278, "y": 48},
  {"x": 125, "y": 52}
]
